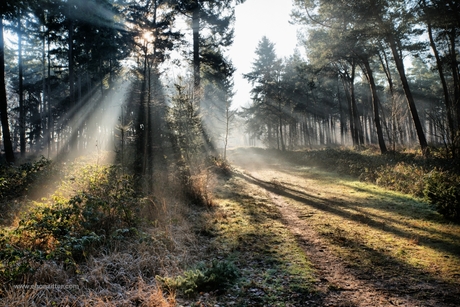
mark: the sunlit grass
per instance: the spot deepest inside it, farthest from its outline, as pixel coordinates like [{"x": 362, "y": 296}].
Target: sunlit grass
[
  {"x": 391, "y": 224},
  {"x": 247, "y": 226},
  {"x": 386, "y": 238}
]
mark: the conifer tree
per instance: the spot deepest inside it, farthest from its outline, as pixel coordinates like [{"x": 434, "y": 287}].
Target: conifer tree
[
  {"x": 8, "y": 9},
  {"x": 266, "y": 77}
]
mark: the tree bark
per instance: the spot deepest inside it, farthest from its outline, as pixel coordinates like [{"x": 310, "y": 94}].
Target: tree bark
[
  {"x": 385, "y": 66},
  {"x": 342, "y": 116},
  {"x": 71, "y": 66},
  {"x": 409, "y": 97},
  {"x": 50, "y": 131},
  {"x": 43, "y": 109},
  {"x": 357, "y": 122},
  {"x": 375, "y": 104},
  {"x": 8, "y": 146},
  {"x": 22, "y": 113},
  {"x": 445, "y": 89},
  {"x": 280, "y": 117},
  {"x": 346, "y": 87},
  {"x": 455, "y": 73},
  {"x": 196, "y": 47}
]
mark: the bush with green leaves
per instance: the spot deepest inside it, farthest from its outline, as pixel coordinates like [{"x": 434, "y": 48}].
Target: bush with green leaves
[
  {"x": 402, "y": 177},
  {"x": 15, "y": 179},
  {"x": 442, "y": 190},
  {"x": 216, "y": 275},
  {"x": 69, "y": 231}
]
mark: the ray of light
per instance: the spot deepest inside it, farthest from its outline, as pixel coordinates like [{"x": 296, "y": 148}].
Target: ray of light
[{"x": 93, "y": 123}]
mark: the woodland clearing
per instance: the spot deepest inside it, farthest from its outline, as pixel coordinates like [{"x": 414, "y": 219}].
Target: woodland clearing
[
  {"x": 278, "y": 231},
  {"x": 305, "y": 237}
]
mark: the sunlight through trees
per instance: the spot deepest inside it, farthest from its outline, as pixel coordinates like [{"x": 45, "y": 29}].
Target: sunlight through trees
[{"x": 61, "y": 56}]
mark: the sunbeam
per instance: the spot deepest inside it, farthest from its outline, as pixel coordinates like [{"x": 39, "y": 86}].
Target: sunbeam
[
  {"x": 93, "y": 124},
  {"x": 234, "y": 152}
]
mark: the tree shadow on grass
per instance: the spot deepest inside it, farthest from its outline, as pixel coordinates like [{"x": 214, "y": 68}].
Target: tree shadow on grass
[
  {"x": 294, "y": 163},
  {"x": 265, "y": 255},
  {"x": 339, "y": 209},
  {"x": 393, "y": 275},
  {"x": 363, "y": 215},
  {"x": 384, "y": 201}
]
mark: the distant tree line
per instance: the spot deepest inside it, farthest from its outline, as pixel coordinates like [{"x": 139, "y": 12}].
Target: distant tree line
[{"x": 382, "y": 72}]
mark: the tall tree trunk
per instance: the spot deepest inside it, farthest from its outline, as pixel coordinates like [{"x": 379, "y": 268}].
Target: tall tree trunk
[
  {"x": 43, "y": 109},
  {"x": 342, "y": 116},
  {"x": 196, "y": 46},
  {"x": 358, "y": 133},
  {"x": 9, "y": 154},
  {"x": 445, "y": 89},
  {"x": 196, "y": 16},
  {"x": 346, "y": 86},
  {"x": 280, "y": 117},
  {"x": 375, "y": 104},
  {"x": 143, "y": 117},
  {"x": 386, "y": 68},
  {"x": 409, "y": 97},
  {"x": 50, "y": 120},
  {"x": 455, "y": 76},
  {"x": 228, "y": 118},
  {"x": 71, "y": 66},
  {"x": 22, "y": 113}
]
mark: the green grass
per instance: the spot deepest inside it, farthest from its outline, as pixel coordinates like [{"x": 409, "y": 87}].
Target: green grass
[
  {"x": 395, "y": 238},
  {"x": 274, "y": 270},
  {"x": 390, "y": 224}
]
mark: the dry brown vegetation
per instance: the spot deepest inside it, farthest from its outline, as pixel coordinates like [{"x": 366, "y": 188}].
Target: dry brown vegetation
[
  {"x": 274, "y": 230},
  {"x": 121, "y": 272}
]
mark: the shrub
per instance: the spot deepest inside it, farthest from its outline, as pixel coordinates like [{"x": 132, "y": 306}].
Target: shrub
[
  {"x": 68, "y": 231},
  {"x": 442, "y": 190},
  {"x": 16, "y": 179},
  {"x": 402, "y": 177},
  {"x": 205, "y": 277},
  {"x": 221, "y": 166}
]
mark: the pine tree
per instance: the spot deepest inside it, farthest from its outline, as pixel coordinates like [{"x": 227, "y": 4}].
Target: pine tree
[
  {"x": 212, "y": 15},
  {"x": 266, "y": 77},
  {"x": 8, "y": 9}
]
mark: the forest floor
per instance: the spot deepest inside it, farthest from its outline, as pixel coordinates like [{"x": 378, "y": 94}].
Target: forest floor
[
  {"x": 304, "y": 237},
  {"x": 295, "y": 234}
]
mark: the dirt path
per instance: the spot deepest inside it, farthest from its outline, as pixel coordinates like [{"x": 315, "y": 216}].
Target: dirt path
[
  {"x": 358, "y": 250},
  {"x": 337, "y": 283}
]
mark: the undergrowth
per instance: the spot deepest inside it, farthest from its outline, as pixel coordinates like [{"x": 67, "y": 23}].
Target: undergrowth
[
  {"x": 98, "y": 238},
  {"x": 442, "y": 190},
  {"x": 204, "y": 277},
  {"x": 434, "y": 178},
  {"x": 68, "y": 231},
  {"x": 14, "y": 180}
]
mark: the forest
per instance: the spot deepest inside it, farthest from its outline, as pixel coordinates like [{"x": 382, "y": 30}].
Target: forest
[{"x": 129, "y": 175}]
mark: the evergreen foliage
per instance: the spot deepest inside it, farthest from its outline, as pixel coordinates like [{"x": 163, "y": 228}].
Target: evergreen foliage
[
  {"x": 205, "y": 277},
  {"x": 442, "y": 190}
]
